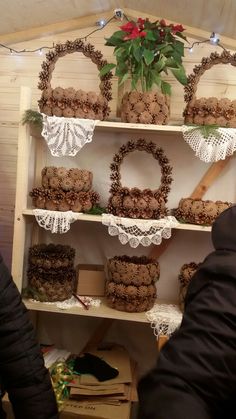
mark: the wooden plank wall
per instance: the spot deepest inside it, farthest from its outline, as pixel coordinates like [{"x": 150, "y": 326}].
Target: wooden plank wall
[{"x": 77, "y": 71}]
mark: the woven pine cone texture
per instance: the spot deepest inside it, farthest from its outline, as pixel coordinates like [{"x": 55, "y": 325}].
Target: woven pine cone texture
[
  {"x": 51, "y": 275},
  {"x": 186, "y": 273},
  {"x": 130, "y": 285},
  {"x": 196, "y": 211},
  {"x": 64, "y": 190},
  {"x": 145, "y": 108},
  {"x": 211, "y": 111}
]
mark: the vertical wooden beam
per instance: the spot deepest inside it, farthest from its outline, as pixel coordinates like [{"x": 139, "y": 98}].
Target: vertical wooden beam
[{"x": 21, "y": 190}]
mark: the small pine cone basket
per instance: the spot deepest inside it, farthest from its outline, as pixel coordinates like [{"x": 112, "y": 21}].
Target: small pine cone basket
[
  {"x": 209, "y": 111},
  {"x": 51, "y": 274},
  {"x": 145, "y": 107},
  {"x": 133, "y": 202},
  {"x": 197, "y": 211},
  {"x": 70, "y": 102},
  {"x": 131, "y": 283},
  {"x": 186, "y": 273}
]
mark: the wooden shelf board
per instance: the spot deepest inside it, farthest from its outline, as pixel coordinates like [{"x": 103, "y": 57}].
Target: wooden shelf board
[
  {"x": 103, "y": 311},
  {"x": 98, "y": 219},
  {"x": 124, "y": 126}
]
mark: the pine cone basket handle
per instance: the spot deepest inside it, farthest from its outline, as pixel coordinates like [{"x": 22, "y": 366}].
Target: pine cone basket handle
[
  {"x": 54, "y": 101},
  {"x": 209, "y": 111},
  {"x": 206, "y": 64},
  {"x": 134, "y": 202}
]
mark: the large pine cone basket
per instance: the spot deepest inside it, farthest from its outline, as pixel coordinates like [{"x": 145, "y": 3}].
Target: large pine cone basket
[
  {"x": 133, "y": 202},
  {"x": 69, "y": 102},
  {"x": 51, "y": 274},
  {"x": 209, "y": 111},
  {"x": 130, "y": 285}
]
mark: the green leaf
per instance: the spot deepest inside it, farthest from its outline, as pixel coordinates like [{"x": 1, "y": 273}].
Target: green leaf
[
  {"x": 161, "y": 63},
  {"x": 124, "y": 78},
  {"x": 115, "y": 40},
  {"x": 150, "y": 36},
  {"x": 167, "y": 50},
  {"x": 106, "y": 68},
  {"x": 181, "y": 35},
  {"x": 165, "y": 88},
  {"x": 171, "y": 63},
  {"x": 179, "y": 74},
  {"x": 148, "y": 56},
  {"x": 156, "y": 78},
  {"x": 179, "y": 47},
  {"x": 138, "y": 53},
  {"x": 118, "y": 34}
]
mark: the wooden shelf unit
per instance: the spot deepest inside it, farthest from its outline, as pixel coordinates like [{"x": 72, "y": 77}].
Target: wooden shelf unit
[{"x": 23, "y": 214}]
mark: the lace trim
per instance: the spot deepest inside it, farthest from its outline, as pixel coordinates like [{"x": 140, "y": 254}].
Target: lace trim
[
  {"x": 55, "y": 221},
  {"x": 213, "y": 148},
  {"x": 164, "y": 318},
  {"x": 66, "y": 136},
  {"x": 135, "y": 232},
  {"x": 72, "y": 302}
]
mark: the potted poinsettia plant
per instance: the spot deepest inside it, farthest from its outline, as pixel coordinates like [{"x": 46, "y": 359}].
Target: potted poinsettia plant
[{"x": 145, "y": 51}]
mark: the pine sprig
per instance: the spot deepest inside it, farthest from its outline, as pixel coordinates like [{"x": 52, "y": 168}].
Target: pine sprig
[
  {"x": 32, "y": 117},
  {"x": 206, "y": 130}
]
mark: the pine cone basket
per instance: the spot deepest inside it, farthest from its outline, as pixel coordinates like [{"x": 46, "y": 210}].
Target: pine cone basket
[
  {"x": 64, "y": 190},
  {"x": 69, "y": 102},
  {"x": 196, "y": 211},
  {"x": 209, "y": 111},
  {"x": 51, "y": 274},
  {"x": 133, "y": 202},
  {"x": 131, "y": 283},
  {"x": 145, "y": 108}
]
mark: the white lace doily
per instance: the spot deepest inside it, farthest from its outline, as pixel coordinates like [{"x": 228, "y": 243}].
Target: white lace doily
[
  {"x": 211, "y": 149},
  {"x": 135, "y": 231},
  {"x": 73, "y": 302},
  {"x": 66, "y": 136},
  {"x": 164, "y": 318},
  {"x": 55, "y": 221}
]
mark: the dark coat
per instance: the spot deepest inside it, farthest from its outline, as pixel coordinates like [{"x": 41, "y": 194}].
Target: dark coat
[
  {"x": 195, "y": 375},
  {"x": 22, "y": 372}
]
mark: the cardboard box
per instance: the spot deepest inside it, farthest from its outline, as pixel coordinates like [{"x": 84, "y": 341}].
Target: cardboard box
[
  {"x": 91, "y": 280},
  {"x": 75, "y": 409}
]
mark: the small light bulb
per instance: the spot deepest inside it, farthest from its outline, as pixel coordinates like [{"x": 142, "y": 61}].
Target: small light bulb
[
  {"x": 214, "y": 38},
  {"x": 191, "y": 49},
  {"x": 11, "y": 52},
  {"x": 101, "y": 23},
  {"x": 40, "y": 52}
]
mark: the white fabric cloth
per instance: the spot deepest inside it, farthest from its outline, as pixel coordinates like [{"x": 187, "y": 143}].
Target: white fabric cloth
[
  {"x": 55, "y": 221},
  {"x": 164, "y": 319},
  {"x": 136, "y": 231},
  {"x": 66, "y": 136},
  {"x": 73, "y": 302},
  {"x": 211, "y": 149}
]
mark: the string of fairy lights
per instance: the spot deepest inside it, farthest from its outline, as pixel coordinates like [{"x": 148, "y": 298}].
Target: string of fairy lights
[{"x": 119, "y": 15}]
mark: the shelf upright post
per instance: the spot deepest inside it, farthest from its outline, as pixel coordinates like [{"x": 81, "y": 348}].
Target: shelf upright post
[{"x": 21, "y": 190}]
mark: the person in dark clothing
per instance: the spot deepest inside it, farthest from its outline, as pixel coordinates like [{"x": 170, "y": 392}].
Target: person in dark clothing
[
  {"x": 195, "y": 375},
  {"x": 22, "y": 372}
]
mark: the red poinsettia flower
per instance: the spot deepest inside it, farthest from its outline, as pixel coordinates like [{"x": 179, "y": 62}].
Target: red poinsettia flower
[
  {"x": 141, "y": 22},
  {"x": 163, "y": 23},
  {"x": 177, "y": 28},
  {"x": 135, "y": 34},
  {"x": 128, "y": 27}
]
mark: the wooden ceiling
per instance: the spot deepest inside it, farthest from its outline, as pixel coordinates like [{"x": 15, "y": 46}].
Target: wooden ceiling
[{"x": 210, "y": 15}]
